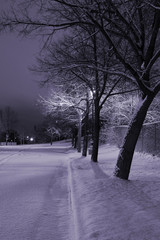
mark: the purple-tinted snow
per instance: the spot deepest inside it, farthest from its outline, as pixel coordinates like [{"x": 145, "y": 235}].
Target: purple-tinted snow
[{"x": 47, "y": 192}]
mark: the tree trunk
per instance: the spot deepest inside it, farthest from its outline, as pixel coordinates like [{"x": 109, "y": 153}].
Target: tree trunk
[
  {"x": 85, "y": 145},
  {"x": 124, "y": 160},
  {"x": 74, "y": 137},
  {"x": 85, "y": 139},
  {"x": 51, "y": 139},
  {"x": 79, "y": 133},
  {"x": 96, "y": 127},
  {"x": 75, "y": 142}
]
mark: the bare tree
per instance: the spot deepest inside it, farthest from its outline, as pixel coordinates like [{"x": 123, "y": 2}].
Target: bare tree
[
  {"x": 71, "y": 102},
  {"x": 134, "y": 27},
  {"x": 130, "y": 29},
  {"x": 82, "y": 59}
]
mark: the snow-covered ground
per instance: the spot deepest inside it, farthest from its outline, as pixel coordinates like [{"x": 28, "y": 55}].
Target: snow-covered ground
[
  {"x": 108, "y": 208},
  {"x": 52, "y": 193},
  {"x": 34, "y": 195}
]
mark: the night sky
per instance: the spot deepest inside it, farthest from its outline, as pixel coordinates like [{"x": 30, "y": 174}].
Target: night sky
[
  {"x": 17, "y": 83},
  {"x": 19, "y": 87}
]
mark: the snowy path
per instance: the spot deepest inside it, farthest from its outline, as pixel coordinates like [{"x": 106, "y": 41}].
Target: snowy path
[
  {"x": 50, "y": 193},
  {"x": 34, "y": 193}
]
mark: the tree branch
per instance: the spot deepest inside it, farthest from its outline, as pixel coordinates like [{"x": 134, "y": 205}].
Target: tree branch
[
  {"x": 152, "y": 5},
  {"x": 117, "y": 93},
  {"x": 152, "y": 61},
  {"x": 109, "y": 93},
  {"x": 151, "y": 47}
]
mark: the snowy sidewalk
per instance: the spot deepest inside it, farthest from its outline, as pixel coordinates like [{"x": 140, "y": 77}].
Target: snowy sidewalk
[{"x": 108, "y": 208}]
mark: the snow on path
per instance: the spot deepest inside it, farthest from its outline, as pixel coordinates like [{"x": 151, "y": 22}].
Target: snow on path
[
  {"x": 108, "y": 208},
  {"x": 34, "y": 194},
  {"x": 42, "y": 197}
]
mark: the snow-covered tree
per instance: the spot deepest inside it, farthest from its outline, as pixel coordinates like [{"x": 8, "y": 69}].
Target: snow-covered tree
[
  {"x": 81, "y": 58},
  {"x": 130, "y": 29},
  {"x": 71, "y": 102}
]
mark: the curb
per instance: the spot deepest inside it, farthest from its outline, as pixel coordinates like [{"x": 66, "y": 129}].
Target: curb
[{"x": 74, "y": 214}]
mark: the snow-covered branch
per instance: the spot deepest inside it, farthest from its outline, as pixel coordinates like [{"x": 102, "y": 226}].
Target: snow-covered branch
[
  {"x": 152, "y": 5},
  {"x": 157, "y": 88},
  {"x": 152, "y": 61}
]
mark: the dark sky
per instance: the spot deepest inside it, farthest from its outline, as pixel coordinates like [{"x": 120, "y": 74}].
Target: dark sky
[
  {"x": 18, "y": 86},
  {"x": 17, "y": 83}
]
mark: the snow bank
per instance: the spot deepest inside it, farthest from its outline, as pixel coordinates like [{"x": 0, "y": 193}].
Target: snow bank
[{"x": 108, "y": 208}]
